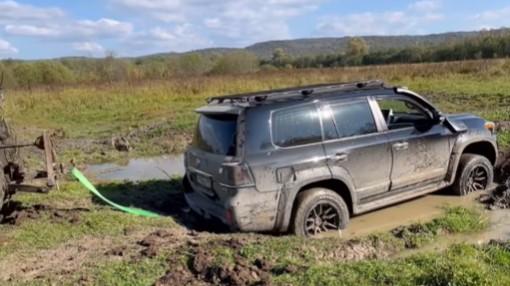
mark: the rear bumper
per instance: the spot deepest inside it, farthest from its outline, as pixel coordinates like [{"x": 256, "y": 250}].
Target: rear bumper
[{"x": 247, "y": 210}]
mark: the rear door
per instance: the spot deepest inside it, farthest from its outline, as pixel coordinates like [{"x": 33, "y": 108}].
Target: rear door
[
  {"x": 355, "y": 147},
  {"x": 420, "y": 152},
  {"x": 214, "y": 144}
]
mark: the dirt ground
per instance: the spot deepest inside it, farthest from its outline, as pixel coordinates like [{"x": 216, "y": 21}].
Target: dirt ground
[
  {"x": 500, "y": 197},
  {"x": 188, "y": 247}
]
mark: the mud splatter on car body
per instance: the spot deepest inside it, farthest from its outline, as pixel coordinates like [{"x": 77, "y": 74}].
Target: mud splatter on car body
[{"x": 364, "y": 145}]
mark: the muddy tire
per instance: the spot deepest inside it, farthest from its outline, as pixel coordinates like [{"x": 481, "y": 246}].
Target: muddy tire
[
  {"x": 319, "y": 210},
  {"x": 475, "y": 173}
]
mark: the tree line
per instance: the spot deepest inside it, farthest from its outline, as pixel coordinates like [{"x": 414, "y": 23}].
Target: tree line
[
  {"x": 358, "y": 53},
  {"x": 28, "y": 74}
]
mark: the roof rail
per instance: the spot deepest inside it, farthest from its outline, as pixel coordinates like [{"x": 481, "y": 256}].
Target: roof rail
[{"x": 300, "y": 91}]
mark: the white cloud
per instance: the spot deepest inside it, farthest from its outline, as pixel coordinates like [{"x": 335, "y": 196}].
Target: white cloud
[
  {"x": 7, "y": 48},
  {"x": 29, "y": 30},
  {"x": 14, "y": 11},
  {"x": 179, "y": 39},
  {"x": 165, "y": 10},
  {"x": 425, "y": 6},
  {"x": 406, "y": 21},
  {"x": 102, "y": 28},
  {"x": 230, "y": 22},
  {"x": 90, "y": 48},
  {"x": 492, "y": 18},
  {"x": 162, "y": 34}
]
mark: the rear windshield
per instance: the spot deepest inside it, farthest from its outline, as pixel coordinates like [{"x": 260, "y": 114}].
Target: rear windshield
[{"x": 216, "y": 134}]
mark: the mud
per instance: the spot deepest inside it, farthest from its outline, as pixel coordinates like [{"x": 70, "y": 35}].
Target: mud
[
  {"x": 502, "y": 126},
  {"x": 141, "y": 169},
  {"x": 15, "y": 213},
  {"x": 413, "y": 211},
  {"x": 153, "y": 242},
  {"x": 203, "y": 269},
  {"x": 55, "y": 263},
  {"x": 70, "y": 258},
  {"x": 499, "y": 198}
]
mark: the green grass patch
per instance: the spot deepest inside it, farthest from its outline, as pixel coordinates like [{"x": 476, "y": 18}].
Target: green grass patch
[
  {"x": 94, "y": 218},
  {"x": 162, "y": 112},
  {"x": 143, "y": 272},
  {"x": 459, "y": 265},
  {"x": 45, "y": 232},
  {"x": 291, "y": 250}
]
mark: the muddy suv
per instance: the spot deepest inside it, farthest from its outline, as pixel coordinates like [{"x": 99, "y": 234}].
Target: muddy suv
[{"x": 306, "y": 159}]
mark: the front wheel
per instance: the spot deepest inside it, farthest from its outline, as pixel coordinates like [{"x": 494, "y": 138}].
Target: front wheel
[
  {"x": 319, "y": 210},
  {"x": 475, "y": 173}
]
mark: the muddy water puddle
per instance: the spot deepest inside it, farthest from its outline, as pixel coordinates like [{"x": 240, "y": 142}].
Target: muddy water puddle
[
  {"x": 416, "y": 210},
  {"x": 140, "y": 169},
  {"x": 424, "y": 209},
  {"x": 421, "y": 209}
]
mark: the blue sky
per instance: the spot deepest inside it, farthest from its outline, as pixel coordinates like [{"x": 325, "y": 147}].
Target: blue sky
[{"x": 32, "y": 29}]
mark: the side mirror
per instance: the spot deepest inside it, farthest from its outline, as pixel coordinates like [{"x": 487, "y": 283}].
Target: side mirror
[{"x": 427, "y": 124}]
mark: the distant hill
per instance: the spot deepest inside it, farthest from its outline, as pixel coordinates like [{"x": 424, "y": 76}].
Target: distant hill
[{"x": 317, "y": 46}]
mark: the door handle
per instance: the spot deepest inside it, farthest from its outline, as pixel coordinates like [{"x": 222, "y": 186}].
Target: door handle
[
  {"x": 401, "y": 146},
  {"x": 341, "y": 157}
]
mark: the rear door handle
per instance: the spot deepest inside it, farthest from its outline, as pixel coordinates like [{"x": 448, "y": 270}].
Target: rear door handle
[
  {"x": 401, "y": 146},
  {"x": 341, "y": 157}
]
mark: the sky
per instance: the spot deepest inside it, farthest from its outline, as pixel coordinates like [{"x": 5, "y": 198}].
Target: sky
[{"x": 31, "y": 29}]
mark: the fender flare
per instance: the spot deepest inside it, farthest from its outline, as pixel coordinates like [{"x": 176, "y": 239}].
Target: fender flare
[
  {"x": 288, "y": 197},
  {"x": 459, "y": 150}
]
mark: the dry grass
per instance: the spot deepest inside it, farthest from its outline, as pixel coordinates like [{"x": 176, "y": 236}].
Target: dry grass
[{"x": 162, "y": 110}]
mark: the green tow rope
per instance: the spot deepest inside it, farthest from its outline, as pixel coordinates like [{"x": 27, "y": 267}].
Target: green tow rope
[{"x": 87, "y": 184}]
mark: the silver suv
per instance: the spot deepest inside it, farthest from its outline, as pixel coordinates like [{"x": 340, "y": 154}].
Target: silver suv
[{"x": 305, "y": 159}]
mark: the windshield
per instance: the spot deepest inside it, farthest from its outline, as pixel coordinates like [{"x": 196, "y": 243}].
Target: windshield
[{"x": 216, "y": 134}]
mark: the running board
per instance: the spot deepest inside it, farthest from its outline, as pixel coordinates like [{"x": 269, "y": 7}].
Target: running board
[{"x": 393, "y": 198}]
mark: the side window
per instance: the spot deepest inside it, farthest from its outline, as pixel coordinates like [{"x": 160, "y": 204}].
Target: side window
[
  {"x": 296, "y": 126},
  {"x": 401, "y": 113},
  {"x": 353, "y": 119}
]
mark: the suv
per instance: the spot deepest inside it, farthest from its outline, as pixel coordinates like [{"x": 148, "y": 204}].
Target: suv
[{"x": 305, "y": 159}]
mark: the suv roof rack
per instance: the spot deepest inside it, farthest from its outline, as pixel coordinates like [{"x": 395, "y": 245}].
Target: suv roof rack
[{"x": 300, "y": 91}]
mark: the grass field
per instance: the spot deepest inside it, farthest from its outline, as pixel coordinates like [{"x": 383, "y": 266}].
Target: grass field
[
  {"x": 75, "y": 239},
  {"x": 159, "y": 118},
  {"x": 68, "y": 237}
]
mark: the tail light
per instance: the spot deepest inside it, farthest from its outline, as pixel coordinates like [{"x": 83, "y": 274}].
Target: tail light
[{"x": 237, "y": 174}]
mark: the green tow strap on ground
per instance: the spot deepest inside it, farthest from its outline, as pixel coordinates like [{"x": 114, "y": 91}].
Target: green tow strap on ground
[{"x": 87, "y": 184}]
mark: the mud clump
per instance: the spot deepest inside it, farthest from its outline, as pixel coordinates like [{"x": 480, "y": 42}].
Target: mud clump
[
  {"x": 499, "y": 243},
  {"x": 15, "y": 213},
  {"x": 153, "y": 242},
  {"x": 177, "y": 276},
  {"x": 239, "y": 273},
  {"x": 499, "y": 198},
  {"x": 202, "y": 268},
  {"x": 412, "y": 234},
  {"x": 121, "y": 144},
  {"x": 356, "y": 250},
  {"x": 502, "y": 126},
  {"x": 116, "y": 251}
]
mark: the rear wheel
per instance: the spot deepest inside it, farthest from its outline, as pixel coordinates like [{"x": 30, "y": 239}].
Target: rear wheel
[
  {"x": 475, "y": 174},
  {"x": 319, "y": 210}
]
